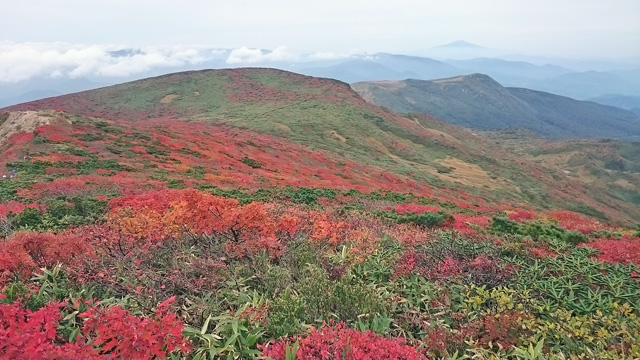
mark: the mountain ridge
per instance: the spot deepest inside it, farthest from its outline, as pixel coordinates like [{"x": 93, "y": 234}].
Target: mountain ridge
[
  {"x": 156, "y": 126},
  {"x": 478, "y": 101}
]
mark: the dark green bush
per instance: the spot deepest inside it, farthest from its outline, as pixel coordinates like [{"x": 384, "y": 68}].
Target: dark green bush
[
  {"x": 250, "y": 162},
  {"x": 286, "y": 315},
  {"x": 61, "y": 213},
  {"x": 501, "y": 224},
  {"x": 29, "y": 218},
  {"x": 537, "y": 230},
  {"x": 574, "y": 237}
]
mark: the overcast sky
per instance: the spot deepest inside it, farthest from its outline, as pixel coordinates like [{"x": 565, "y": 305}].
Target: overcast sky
[{"x": 39, "y": 33}]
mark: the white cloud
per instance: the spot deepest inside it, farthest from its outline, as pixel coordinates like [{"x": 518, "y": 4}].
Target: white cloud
[
  {"x": 22, "y": 61},
  {"x": 245, "y": 55}
]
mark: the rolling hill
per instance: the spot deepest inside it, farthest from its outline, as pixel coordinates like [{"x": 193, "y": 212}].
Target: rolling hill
[
  {"x": 257, "y": 213},
  {"x": 477, "y": 101},
  {"x": 168, "y": 126}
]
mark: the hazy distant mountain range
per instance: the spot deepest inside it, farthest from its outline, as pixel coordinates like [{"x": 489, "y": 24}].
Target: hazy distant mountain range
[
  {"x": 577, "y": 79},
  {"x": 626, "y": 102}
]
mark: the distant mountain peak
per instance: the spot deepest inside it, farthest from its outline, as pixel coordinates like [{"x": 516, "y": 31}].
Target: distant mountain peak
[
  {"x": 476, "y": 77},
  {"x": 459, "y": 44}
]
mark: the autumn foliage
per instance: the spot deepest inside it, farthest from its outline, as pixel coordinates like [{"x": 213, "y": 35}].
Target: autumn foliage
[
  {"x": 106, "y": 333},
  {"x": 625, "y": 250},
  {"x": 27, "y": 251},
  {"x": 245, "y": 229},
  {"x": 117, "y": 333},
  {"x": 263, "y": 203},
  {"x": 338, "y": 342},
  {"x": 28, "y": 334}
]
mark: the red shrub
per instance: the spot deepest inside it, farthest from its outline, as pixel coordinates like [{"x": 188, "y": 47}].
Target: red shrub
[
  {"x": 503, "y": 329},
  {"x": 406, "y": 264},
  {"x": 573, "y": 221},
  {"x": 57, "y": 157},
  {"x": 59, "y": 187},
  {"x": 47, "y": 249},
  {"x": 11, "y": 207},
  {"x": 109, "y": 333},
  {"x": 138, "y": 150},
  {"x": 450, "y": 267},
  {"x": 338, "y": 342},
  {"x": 522, "y": 215},
  {"x": 122, "y": 335},
  {"x": 21, "y": 138},
  {"x": 467, "y": 224},
  {"x": 329, "y": 230},
  {"x": 246, "y": 229},
  {"x": 409, "y": 235},
  {"x": 485, "y": 271},
  {"x": 25, "y": 251},
  {"x": 625, "y": 250},
  {"x": 32, "y": 335},
  {"x": 14, "y": 262},
  {"x": 439, "y": 340},
  {"x": 56, "y": 133},
  {"x": 541, "y": 253}
]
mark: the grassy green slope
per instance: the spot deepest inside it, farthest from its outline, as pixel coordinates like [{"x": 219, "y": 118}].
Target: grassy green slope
[{"x": 328, "y": 115}]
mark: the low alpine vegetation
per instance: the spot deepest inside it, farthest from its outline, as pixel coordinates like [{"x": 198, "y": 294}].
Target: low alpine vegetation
[{"x": 185, "y": 273}]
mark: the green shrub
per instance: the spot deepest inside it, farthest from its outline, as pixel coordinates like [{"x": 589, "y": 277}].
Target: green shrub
[
  {"x": 250, "y": 162},
  {"x": 343, "y": 300},
  {"x": 30, "y": 218},
  {"x": 39, "y": 139},
  {"x": 196, "y": 172},
  {"x": 537, "y": 230},
  {"x": 61, "y": 213},
  {"x": 276, "y": 280},
  {"x": 175, "y": 184},
  {"x": 574, "y": 237},
  {"x": 299, "y": 254},
  {"x": 3, "y": 117},
  {"x": 450, "y": 244},
  {"x": 501, "y": 224},
  {"x": 232, "y": 337},
  {"x": 7, "y": 191},
  {"x": 443, "y": 169},
  {"x": 286, "y": 315},
  {"x": 425, "y": 219},
  {"x": 308, "y": 196},
  {"x": 90, "y": 137}
]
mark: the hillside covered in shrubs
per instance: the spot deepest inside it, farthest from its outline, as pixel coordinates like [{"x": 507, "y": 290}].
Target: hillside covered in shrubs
[{"x": 291, "y": 220}]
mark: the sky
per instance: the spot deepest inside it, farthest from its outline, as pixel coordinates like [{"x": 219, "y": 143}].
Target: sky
[{"x": 74, "y": 37}]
